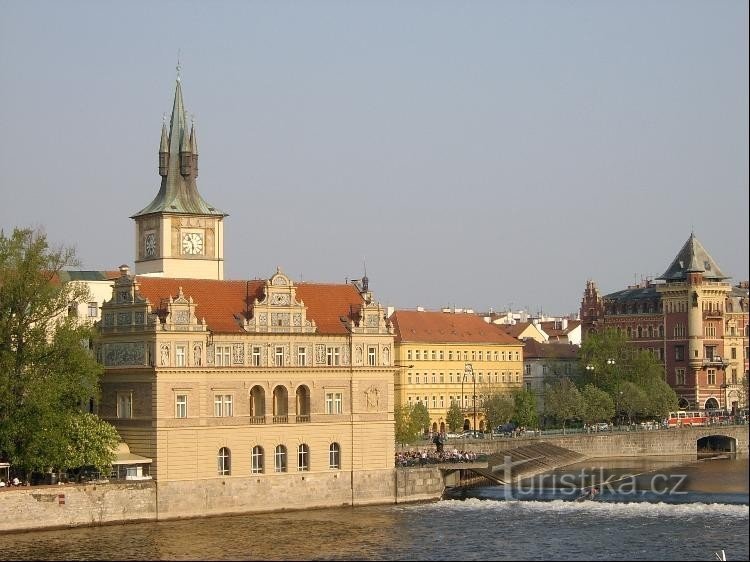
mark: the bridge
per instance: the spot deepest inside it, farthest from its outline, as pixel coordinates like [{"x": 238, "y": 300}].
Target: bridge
[{"x": 513, "y": 458}]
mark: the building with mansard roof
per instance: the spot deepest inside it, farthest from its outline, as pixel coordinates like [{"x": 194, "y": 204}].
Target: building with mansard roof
[
  {"x": 692, "y": 318},
  {"x": 246, "y": 395}
]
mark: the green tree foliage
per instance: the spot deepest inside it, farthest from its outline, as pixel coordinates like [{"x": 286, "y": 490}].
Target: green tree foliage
[
  {"x": 598, "y": 351},
  {"x": 524, "y": 403},
  {"x": 92, "y": 442},
  {"x": 454, "y": 418},
  {"x": 563, "y": 401},
  {"x": 420, "y": 416},
  {"x": 632, "y": 401},
  {"x": 405, "y": 433},
  {"x": 411, "y": 422},
  {"x": 598, "y": 405},
  {"x": 498, "y": 409},
  {"x": 46, "y": 373},
  {"x": 611, "y": 364},
  {"x": 660, "y": 399}
]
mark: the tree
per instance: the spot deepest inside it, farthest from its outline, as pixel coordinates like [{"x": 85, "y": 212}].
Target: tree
[
  {"x": 92, "y": 443},
  {"x": 498, "y": 409},
  {"x": 632, "y": 400},
  {"x": 598, "y": 405},
  {"x": 602, "y": 358},
  {"x": 411, "y": 422},
  {"x": 420, "y": 416},
  {"x": 405, "y": 433},
  {"x": 46, "y": 374},
  {"x": 563, "y": 402},
  {"x": 525, "y": 408},
  {"x": 660, "y": 399},
  {"x": 454, "y": 418}
]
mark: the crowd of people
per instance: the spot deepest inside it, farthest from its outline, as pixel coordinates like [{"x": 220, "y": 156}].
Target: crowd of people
[
  {"x": 417, "y": 458},
  {"x": 10, "y": 482}
]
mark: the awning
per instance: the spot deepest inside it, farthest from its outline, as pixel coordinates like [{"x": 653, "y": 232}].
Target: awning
[{"x": 124, "y": 456}]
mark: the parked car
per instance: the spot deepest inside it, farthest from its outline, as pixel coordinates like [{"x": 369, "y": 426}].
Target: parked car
[{"x": 601, "y": 426}]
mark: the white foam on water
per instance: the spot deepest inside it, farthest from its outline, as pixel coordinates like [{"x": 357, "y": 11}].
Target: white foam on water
[{"x": 610, "y": 509}]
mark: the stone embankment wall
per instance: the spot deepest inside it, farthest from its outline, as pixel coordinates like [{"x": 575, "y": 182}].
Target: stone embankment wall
[
  {"x": 73, "y": 505},
  {"x": 47, "y": 507}
]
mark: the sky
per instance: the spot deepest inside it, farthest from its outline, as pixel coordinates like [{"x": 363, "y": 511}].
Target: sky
[{"x": 473, "y": 154}]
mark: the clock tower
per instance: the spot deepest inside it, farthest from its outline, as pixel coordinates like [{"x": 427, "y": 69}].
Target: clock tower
[{"x": 178, "y": 234}]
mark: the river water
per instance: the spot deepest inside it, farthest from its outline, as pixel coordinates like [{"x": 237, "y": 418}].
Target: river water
[{"x": 672, "y": 510}]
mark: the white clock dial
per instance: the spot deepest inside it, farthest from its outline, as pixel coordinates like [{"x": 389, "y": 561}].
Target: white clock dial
[
  {"x": 192, "y": 243},
  {"x": 150, "y": 244}
]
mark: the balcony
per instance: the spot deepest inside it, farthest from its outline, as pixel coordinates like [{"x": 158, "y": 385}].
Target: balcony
[
  {"x": 302, "y": 419},
  {"x": 257, "y": 420},
  {"x": 281, "y": 419},
  {"x": 715, "y": 361}
]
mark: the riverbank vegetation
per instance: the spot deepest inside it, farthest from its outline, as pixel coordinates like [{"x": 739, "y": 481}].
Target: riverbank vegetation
[{"x": 48, "y": 375}]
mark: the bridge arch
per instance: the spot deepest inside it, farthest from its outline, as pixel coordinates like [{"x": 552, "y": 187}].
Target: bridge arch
[{"x": 711, "y": 444}]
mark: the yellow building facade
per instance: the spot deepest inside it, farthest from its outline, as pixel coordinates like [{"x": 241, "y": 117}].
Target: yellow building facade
[
  {"x": 445, "y": 357},
  {"x": 245, "y": 395}
]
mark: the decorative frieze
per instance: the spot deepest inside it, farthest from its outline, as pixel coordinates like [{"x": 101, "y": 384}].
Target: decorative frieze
[
  {"x": 238, "y": 354},
  {"x": 124, "y": 353}
]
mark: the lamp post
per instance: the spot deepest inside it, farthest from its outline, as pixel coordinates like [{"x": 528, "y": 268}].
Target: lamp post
[{"x": 469, "y": 371}]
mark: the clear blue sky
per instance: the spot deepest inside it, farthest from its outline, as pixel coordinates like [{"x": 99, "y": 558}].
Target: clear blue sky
[{"x": 476, "y": 154}]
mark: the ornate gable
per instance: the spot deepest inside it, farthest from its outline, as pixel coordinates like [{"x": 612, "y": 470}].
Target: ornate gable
[
  {"x": 127, "y": 310},
  {"x": 279, "y": 311}
]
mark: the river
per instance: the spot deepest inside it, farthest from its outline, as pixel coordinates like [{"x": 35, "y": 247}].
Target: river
[{"x": 672, "y": 510}]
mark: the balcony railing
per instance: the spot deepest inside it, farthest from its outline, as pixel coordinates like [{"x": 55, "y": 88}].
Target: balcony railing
[
  {"x": 302, "y": 419},
  {"x": 281, "y": 419},
  {"x": 257, "y": 420},
  {"x": 716, "y": 360}
]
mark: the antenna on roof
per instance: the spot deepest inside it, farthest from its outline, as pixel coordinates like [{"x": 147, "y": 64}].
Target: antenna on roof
[{"x": 179, "y": 66}]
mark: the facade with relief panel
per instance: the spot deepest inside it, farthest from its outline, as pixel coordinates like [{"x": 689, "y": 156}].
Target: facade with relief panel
[
  {"x": 443, "y": 357},
  {"x": 250, "y": 380},
  {"x": 692, "y": 319},
  {"x": 247, "y": 395}
]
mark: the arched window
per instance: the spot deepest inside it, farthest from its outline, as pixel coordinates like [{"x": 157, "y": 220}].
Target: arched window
[
  {"x": 257, "y": 460},
  {"x": 280, "y": 459},
  {"x": 224, "y": 459},
  {"x": 334, "y": 456},
  {"x": 303, "y": 458},
  {"x": 257, "y": 405},
  {"x": 303, "y": 404},
  {"x": 280, "y": 405}
]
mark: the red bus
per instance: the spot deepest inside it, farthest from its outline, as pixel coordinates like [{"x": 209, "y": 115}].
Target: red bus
[{"x": 687, "y": 418}]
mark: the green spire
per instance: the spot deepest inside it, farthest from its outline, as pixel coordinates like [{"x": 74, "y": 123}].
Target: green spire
[{"x": 178, "y": 192}]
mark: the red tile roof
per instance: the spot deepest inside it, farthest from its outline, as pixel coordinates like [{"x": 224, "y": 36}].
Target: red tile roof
[
  {"x": 554, "y": 327},
  {"x": 444, "y": 327},
  {"x": 532, "y": 349},
  {"x": 224, "y": 303},
  {"x": 514, "y": 330}
]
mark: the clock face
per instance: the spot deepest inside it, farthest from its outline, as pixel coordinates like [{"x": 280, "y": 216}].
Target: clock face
[
  {"x": 150, "y": 244},
  {"x": 192, "y": 243}
]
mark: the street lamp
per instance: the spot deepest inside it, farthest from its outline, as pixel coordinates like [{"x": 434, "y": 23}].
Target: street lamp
[{"x": 469, "y": 370}]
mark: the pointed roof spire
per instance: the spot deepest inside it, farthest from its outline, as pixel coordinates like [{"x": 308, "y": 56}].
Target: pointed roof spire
[
  {"x": 693, "y": 258},
  {"x": 164, "y": 144},
  {"x": 178, "y": 193},
  {"x": 193, "y": 138}
]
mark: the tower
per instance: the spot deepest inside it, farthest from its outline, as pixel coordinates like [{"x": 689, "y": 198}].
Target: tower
[
  {"x": 693, "y": 296},
  {"x": 179, "y": 234}
]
